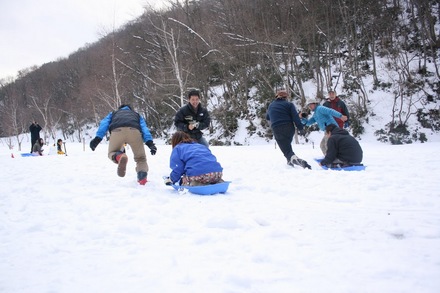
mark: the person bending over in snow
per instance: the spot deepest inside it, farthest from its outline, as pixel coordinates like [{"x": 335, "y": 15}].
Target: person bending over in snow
[
  {"x": 323, "y": 116},
  {"x": 283, "y": 118},
  {"x": 342, "y": 148},
  {"x": 192, "y": 163},
  {"x": 126, "y": 127}
]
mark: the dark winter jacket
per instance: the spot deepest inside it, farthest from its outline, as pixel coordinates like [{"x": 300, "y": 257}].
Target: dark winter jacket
[
  {"x": 35, "y": 129},
  {"x": 341, "y": 145},
  {"x": 192, "y": 159},
  {"x": 338, "y": 105},
  {"x": 124, "y": 117},
  {"x": 281, "y": 112},
  {"x": 187, "y": 115}
]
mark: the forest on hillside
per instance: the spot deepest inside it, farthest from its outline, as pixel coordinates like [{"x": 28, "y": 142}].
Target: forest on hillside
[{"x": 245, "y": 50}]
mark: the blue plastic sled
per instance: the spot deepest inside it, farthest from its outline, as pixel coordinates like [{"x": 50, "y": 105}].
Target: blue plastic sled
[
  {"x": 205, "y": 189},
  {"x": 350, "y": 168},
  {"x": 27, "y": 155}
]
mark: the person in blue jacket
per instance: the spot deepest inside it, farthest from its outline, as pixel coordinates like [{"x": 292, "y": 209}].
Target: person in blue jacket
[
  {"x": 192, "y": 163},
  {"x": 323, "y": 116},
  {"x": 126, "y": 127},
  {"x": 283, "y": 119}
]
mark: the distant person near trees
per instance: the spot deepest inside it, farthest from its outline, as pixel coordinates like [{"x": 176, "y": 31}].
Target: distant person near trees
[
  {"x": 193, "y": 118},
  {"x": 283, "y": 118},
  {"x": 35, "y": 129},
  {"x": 337, "y": 104},
  {"x": 323, "y": 116},
  {"x": 126, "y": 127},
  {"x": 343, "y": 150}
]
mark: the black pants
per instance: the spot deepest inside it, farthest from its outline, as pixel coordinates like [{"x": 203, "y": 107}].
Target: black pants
[
  {"x": 284, "y": 135},
  {"x": 33, "y": 141}
]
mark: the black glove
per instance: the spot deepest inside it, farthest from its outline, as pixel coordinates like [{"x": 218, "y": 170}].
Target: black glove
[
  {"x": 303, "y": 115},
  {"x": 167, "y": 181},
  {"x": 152, "y": 147},
  {"x": 302, "y": 132},
  {"x": 94, "y": 143}
]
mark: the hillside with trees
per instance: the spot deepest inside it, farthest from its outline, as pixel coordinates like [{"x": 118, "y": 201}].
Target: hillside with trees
[{"x": 238, "y": 53}]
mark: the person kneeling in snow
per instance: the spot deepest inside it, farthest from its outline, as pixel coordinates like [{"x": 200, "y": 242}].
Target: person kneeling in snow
[
  {"x": 37, "y": 149},
  {"x": 192, "y": 163},
  {"x": 343, "y": 150},
  {"x": 126, "y": 126}
]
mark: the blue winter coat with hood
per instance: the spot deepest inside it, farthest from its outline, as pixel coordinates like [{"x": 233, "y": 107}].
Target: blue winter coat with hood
[{"x": 192, "y": 159}]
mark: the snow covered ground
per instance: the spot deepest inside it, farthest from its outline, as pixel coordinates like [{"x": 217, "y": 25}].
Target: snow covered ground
[{"x": 69, "y": 224}]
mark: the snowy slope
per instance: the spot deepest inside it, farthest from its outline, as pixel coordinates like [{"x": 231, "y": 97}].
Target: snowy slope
[{"x": 69, "y": 224}]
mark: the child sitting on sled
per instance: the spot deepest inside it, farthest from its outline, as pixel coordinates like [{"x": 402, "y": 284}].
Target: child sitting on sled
[
  {"x": 192, "y": 163},
  {"x": 59, "y": 149}
]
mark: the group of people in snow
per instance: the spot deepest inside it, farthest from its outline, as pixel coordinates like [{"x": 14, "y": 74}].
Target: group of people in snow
[
  {"x": 338, "y": 146},
  {"x": 37, "y": 143},
  {"x": 191, "y": 161}
]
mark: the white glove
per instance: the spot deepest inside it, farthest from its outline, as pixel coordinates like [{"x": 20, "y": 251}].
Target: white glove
[
  {"x": 167, "y": 181},
  {"x": 195, "y": 124}
]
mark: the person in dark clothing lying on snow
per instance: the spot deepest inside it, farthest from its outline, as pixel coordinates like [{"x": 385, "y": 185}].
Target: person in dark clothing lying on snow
[
  {"x": 192, "y": 163},
  {"x": 343, "y": 150}
]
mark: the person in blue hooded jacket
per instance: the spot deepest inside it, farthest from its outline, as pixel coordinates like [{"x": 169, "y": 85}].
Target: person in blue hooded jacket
[
  {"x": 126, "y": 127},
  {"x": 192, "y": 163},
  {"x": 323, "y": 116}
]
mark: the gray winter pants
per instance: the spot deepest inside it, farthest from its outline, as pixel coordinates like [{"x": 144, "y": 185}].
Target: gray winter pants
[{"x": 323, "y": 144}]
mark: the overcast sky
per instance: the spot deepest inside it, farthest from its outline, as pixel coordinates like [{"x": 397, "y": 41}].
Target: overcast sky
[{"x": 34, "y": 32}]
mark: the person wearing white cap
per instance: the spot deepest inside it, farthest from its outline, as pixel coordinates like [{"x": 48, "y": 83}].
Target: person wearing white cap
[{"x": 322, "y": 116}]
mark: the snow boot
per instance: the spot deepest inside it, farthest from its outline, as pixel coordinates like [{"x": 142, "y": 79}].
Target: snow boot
[
  {"x": 294, "y": 160},
  {"x": 121, "y": 159},
  {"x": 142, "y": 177}
]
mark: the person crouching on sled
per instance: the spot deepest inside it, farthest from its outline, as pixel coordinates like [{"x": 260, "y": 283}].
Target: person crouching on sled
[
  {"x": 192, "y": 163},
  {"x": 59, "y": 147},
  {"x": 126, "y": 126}
]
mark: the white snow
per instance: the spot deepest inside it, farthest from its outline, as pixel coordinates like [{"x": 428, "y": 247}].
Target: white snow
[{"x": 70, "y": 224}]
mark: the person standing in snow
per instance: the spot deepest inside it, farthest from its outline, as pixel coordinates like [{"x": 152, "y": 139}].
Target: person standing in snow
[
  {"x": 342, "y": 148},
  {"x": 283, "y": 118},
  {"x": 323, "y": 116},
  {"x": 335, "y": 103},
  {"x": 126, "y": 126},
  {"x": 193, "y": 118},
  {"x": 192, "y": 163},
  {"x": 37, "y": 149},
  {"x": 34, "y": 129}
]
